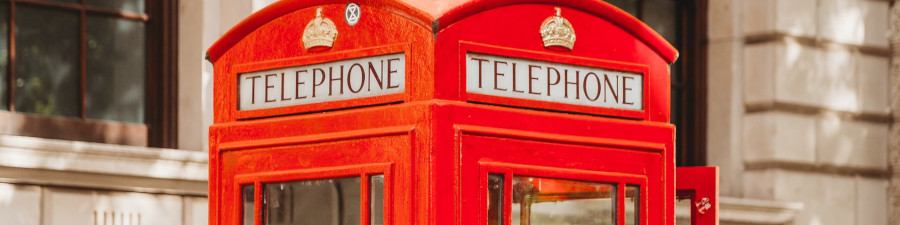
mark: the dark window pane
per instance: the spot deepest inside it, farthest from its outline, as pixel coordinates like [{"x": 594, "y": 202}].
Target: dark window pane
[
  {"x": 115, "y": 69},
  {"x": 675, "y": 108},
  {"x": 555, "y": 201},
  {"x": 123, "y": 5},
  {"x": 247, "y": 195},
  {"x": 4, "y": 56},
  {"x": 632, "y": 205},
  {"x": 629, "y": 6},
  {"x": 495, "y": 199},
  {"x": 376, "y": 196},
  {"x": 66, "y": 1},
  {"x": 662, "y": 16},
  {"x": 314, "y": 202},
  {"x": 47, "y": 61}
]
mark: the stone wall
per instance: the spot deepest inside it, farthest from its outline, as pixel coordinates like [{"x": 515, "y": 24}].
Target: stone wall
[{"x": 804, "y": 85}]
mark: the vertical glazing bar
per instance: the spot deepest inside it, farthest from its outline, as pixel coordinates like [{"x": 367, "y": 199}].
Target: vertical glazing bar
[
  {"x": 507, "y": 198},
  {"x": 258, "y": 203},
  {"x": 619, "y": 200},
  {"x": 365, "y": 204}
]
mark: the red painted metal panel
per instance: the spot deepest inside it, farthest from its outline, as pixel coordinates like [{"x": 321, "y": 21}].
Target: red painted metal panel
[
  {"x": 272, "y": 38},
  {"x": 434, "y": 142},
  {"x": 513, "y": 30},
  {"x": 701, "y": 184}
]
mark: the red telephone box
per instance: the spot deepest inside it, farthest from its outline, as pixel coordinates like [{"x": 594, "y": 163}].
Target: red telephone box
[{"x": 495, "y": 112}]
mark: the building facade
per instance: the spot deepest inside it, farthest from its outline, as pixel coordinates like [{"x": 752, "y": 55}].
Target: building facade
[{"x": 794, "y": 100}]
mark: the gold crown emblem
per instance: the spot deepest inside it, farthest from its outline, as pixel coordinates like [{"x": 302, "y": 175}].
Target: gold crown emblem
[
  {"x": 557, "y": 31},
  {"x": 320, "y": 32}
]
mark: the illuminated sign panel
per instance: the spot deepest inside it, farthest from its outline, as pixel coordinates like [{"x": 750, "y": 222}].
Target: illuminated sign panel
[
  {"x": 553, "y": 82},
  {"x": 325, "y": 82}
]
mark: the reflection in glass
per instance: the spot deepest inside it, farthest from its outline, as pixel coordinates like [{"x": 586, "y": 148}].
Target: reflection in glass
[
  {"x": 313, "y": 202},
  {"x": 67, "y": 1},
  {"x": 632, "y": 205},
  {"x": 495, "y": 199},
  {"x": 124, "y": 5},
  {"x": 115, "y": 68},
  {"x": 629, "y": 6},
  {"x": 683, "y": 210},
  {"x": 555, "y": 201},
  {"x": 47, "y": 62},
  {"x": 248, "y": 199},
  {"x": 4, "y": 56},
  {"x": 376, "y": 197},
  {"x": 662, "y": 16}
]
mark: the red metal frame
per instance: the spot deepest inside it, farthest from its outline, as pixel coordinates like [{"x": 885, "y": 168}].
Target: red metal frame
[
  {"x": 390, "y": 27},
  {"x": 509, "y": 25},
  {"x": 699, "y": 183},
  {"x": 437, "y": 146},
  {"x": 510, "y": 170},
  {"x": 363, "y": 171}
]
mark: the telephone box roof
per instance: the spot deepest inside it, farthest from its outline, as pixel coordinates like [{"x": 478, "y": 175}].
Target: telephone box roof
[{"x": 436, "y": 15}]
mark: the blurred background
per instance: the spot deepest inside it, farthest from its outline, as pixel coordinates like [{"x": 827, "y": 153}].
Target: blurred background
[{"x": 105, "y": 104}]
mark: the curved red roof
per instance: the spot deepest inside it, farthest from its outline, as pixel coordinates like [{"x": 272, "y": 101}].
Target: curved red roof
[
  {"x": 447, "y": 12},
  {"x": 598, "y": 8},
  {"x": 280, "y": 8}
]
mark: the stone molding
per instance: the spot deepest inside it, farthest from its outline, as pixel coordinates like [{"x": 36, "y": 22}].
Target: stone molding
[{"x": 64, "y": 163}]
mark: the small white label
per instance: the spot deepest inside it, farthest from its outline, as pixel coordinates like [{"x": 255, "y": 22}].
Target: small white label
[
  {"x": 553, "y": 82},
  {"x": 332, "y": 81},
  {"x": 352, "y": 13}
]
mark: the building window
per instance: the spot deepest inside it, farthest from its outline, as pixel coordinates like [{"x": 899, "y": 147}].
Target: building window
[
  {"x": 88, "y": 70},
  {"x": 683, "y": 24}
]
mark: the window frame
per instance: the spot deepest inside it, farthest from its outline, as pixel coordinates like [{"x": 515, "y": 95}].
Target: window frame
[
  {"x": 364, "y": 171},
  {"x": 160, "y": 117},
  {"x": 508, "y": 170}
]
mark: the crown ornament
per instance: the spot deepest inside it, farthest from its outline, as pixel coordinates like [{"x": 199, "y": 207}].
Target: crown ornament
[
  {"x": 320, "y": 32},
  {"x": 556, "y": 31}
]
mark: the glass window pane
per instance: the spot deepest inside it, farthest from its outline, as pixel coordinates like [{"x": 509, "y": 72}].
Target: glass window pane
[
  {"x": 115, "y": 69},
  {"x": 66, "y": 1},
  {"x": 47, "y": 62},
  {"x": 629, "y": 6},
  {"x": 376, "y": 196},
  {"x": 313, "y": 202},
  {"x": 662, "y": 16},
  {"x": 123, "y": 5},
  {"x": 4, "y": 56},
  {"x": 683, "y": 211},
  {"x": 555, "y": 201},
  {"x": 495, "y": 199},
  {"x": 247, "y": 195},
  {"x": 632, "y": 205}
]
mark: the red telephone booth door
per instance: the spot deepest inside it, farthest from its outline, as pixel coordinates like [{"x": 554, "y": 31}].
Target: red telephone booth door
[
  {"x": 563, "y": 116},
  {"x": 315, "y": 120}
]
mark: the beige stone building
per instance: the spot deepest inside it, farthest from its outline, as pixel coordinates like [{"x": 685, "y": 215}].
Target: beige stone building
[{"x": 795, "y": 101}]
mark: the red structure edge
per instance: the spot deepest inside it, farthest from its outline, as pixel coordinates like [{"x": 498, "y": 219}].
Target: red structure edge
[
  {"x": 598, "y": 8},
  {"x": 280, "y": 8}
]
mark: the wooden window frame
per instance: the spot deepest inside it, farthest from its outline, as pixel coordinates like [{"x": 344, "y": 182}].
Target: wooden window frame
[
  {"x": 160, "y": 117},
  {"x": 691, "y": 134}
]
